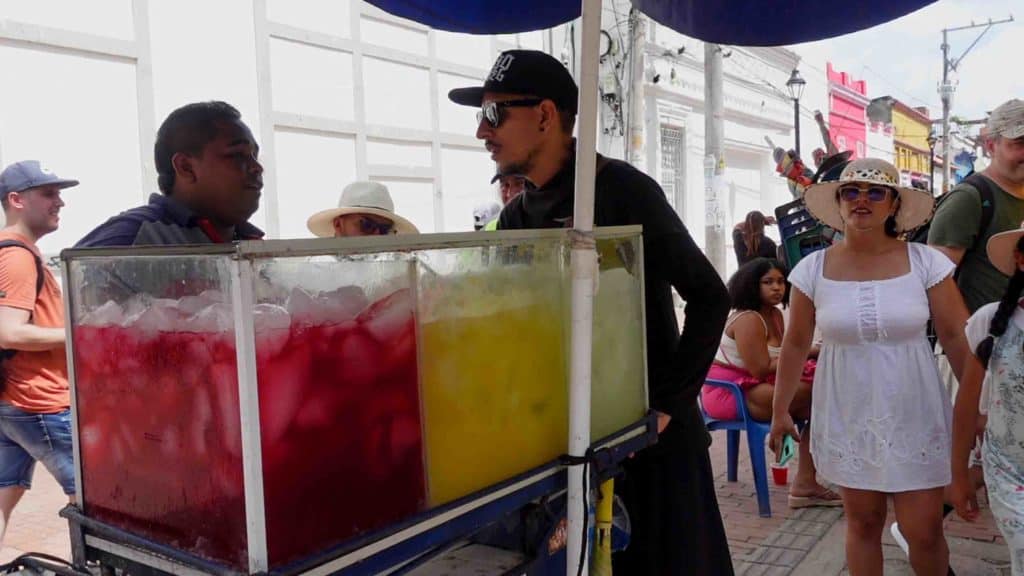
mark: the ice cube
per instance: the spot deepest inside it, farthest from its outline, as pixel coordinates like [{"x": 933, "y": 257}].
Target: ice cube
[
  {"x": 212, "y": 295},
  {"x": 304, "y": 309},
  {"x": 386, "y": 318},
  {"x": 214, "y": 318},
  {"x": 283, "y": 383},
  {"x": 271, "y": 324},
  {"x": 191, "y": 305},
  {"x": 170, "y": 445},
  {"x": 202, "y": 416},
  {"x": 135, "y": 306},
  {"x": 109, "y": 314},
  {"x": 156, "y": 319},
  {"x": 92, "y": 443},
  {"x": 163, "y": 303},
  {"x": 224, "y": 386},
  {"x": 343, "y": 304}
]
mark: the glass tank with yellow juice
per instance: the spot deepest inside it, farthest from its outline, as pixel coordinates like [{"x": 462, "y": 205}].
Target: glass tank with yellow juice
[
  {"x": 494, "y": 358},
  {"x": 493, "y": 372}
]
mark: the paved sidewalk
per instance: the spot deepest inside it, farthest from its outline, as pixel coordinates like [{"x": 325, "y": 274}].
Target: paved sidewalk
[
  {"x": 35, "y": 525},
  {"x": 807, "y": 542},
  {"x": 810, "y": 542}
]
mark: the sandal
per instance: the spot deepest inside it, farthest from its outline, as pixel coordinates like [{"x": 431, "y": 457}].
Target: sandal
[{"x": 824, "y": 497}]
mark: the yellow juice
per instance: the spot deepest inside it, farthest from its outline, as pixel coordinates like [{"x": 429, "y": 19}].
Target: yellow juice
[
  {"x": 494, "y": 395},
  {"x": 617, "y": 394}
]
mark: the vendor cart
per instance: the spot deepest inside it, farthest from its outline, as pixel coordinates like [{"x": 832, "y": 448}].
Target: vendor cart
[{"x": 352, "y": 406}]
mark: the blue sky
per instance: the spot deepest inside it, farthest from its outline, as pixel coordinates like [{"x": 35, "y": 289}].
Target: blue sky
[{"x": 903, "y": 58}]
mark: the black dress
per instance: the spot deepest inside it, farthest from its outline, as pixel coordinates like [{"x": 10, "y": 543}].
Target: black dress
[{"x": 668, "y": 488}]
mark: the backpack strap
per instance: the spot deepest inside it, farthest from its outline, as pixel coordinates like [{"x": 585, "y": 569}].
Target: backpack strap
[
  {"x": 988, "y": 205},
  {"x": 40, "y": 272},
  {"x": 6, "y": 354}
]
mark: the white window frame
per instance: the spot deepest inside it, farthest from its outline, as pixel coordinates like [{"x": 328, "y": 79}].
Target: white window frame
[{"x": 358, "y": 127}]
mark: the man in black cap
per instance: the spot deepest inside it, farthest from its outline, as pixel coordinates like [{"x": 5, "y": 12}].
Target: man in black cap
[
  {"x": 527, "y": 112},
  {"x": 509, "y": 185}
]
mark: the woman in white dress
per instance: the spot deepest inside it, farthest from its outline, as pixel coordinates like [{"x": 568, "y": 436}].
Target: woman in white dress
[{"x": 881, "y": 421}]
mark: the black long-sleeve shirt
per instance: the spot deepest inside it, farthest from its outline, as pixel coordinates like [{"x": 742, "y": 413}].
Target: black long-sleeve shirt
[
  {"x": 677, "y": 364},
  {"x": 765, "y": 249}
]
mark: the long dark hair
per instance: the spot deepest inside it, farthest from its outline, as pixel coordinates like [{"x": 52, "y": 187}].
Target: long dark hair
[
  {"x": 753, "y": 231},
  {"x": 1003, "y": 314},
  {"x": 745, "y": 284}
]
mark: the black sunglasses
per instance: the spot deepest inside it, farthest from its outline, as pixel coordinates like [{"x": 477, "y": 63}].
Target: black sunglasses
[
  {"x": 493, "y": 112},
  {"x": 379, "y": 228},
  {"x": 874, "y": 193}
]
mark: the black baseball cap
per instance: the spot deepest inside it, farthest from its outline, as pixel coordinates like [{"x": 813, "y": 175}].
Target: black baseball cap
[{"x": 526, "y": 72}]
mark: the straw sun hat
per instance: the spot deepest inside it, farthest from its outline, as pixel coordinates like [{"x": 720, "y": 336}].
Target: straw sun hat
[
  {"x": 915, "y": 205},
  {"x": 1000, "y": 250},
  {"x": 360, "y": 198}
]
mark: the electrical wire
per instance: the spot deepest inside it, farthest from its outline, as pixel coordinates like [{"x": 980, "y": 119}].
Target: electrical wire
[{"x": 42, "y": 562}]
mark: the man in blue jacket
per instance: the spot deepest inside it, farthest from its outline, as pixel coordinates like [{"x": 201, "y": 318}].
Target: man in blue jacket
[{"x": 210, "y": 180}]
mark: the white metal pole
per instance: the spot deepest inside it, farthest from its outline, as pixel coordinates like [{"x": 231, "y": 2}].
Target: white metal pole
[
  {"x": 243, "y": 301},
  {"x": 69, "y": 348},
  {"x": 583, "y": 266}
]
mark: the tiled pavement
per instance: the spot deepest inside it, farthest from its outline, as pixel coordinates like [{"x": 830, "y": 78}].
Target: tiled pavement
[
  {"x": 810, "y": 542},
  {"x": 35, "y": 526},
  {"x": 807, "y": 542}
]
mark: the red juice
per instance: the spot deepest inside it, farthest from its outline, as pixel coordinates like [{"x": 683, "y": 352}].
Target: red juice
[
  {"x": 160, "y": 437},
  {"x": 341, "y": 435}
]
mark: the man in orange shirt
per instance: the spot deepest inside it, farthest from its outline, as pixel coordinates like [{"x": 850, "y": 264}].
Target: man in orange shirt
[{"x": 35, "y": 415}]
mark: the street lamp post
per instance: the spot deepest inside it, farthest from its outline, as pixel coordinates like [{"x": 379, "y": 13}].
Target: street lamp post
[
  {"x": 796, "y": 85},
  {"x": 931, "y": 161}
]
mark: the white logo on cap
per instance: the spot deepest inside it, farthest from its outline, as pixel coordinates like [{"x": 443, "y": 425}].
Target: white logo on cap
[{"x": 500, "y": 67}]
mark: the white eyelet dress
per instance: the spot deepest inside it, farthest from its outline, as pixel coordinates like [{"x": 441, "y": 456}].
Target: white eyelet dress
[{"x": 880, "y": 416}]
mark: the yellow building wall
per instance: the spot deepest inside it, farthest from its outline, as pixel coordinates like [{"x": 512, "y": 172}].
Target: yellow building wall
[{"x": 910, "y": 133}]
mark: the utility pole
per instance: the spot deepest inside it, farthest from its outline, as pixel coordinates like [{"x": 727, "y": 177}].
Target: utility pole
[
  {"x": 714, "y": 162},
  {"x": 635, "y": 115},
  {"x": 947, "y": 88}
]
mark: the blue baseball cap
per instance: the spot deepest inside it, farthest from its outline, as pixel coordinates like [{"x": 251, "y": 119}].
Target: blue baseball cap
[{"x": 27, "y": 174}]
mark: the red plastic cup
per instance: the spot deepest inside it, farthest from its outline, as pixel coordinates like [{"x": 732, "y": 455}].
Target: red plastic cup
[{"x": 780, "y": 474}]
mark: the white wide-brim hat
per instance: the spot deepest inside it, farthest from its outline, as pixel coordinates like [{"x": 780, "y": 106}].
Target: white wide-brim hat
[
  {"x": 915, "y": 209},
  {"x": 1000, "y": 249},
  {"x": 360, "y": 198}
]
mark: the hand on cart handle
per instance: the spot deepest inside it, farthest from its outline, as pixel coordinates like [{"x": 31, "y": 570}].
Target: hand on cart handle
[{"x": 663, "y": 420}]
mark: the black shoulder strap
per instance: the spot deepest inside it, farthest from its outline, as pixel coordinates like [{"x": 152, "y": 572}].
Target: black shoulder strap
[
  {"x": 40, "y": 278},
  {"x": 988, "y": 205}
]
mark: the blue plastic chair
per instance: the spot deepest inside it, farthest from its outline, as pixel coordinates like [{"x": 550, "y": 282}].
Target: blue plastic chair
[{"x": 756, "y": 433}]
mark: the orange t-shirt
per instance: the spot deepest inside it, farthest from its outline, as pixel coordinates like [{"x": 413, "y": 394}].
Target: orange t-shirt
[{"x": 36, "y": 381}]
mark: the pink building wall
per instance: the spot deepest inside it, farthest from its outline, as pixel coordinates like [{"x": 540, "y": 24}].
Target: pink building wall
[{"x": 848, "y": 103}]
